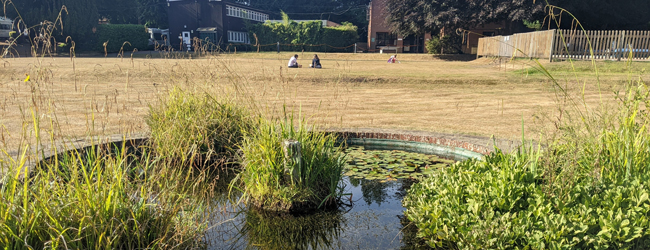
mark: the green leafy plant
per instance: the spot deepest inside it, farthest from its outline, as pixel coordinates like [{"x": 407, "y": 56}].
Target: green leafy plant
[
  {"x": 308, "y": 36},
  {"x": 121, "y": 37}
]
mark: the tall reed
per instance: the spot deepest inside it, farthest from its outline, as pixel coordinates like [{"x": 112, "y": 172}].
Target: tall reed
[{"x": 271, "y": 181}]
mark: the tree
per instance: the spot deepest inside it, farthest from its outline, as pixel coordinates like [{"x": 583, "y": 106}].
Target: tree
[
  {"x": 421, "y": 16},
  {"x": 78, "y": 18},
  {"x": 604, "y": 14},
  {"x": 153, "y": 13},
  {"x": 119, "y": 11}
]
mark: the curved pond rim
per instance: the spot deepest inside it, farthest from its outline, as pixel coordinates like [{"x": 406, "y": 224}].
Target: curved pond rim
[{"x": 453, "y": 153}]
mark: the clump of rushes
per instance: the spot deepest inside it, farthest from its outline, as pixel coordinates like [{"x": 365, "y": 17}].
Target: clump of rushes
[
  {"x": 590, "y": 189},
  {"x": 197, "y": 129},
  {"x": 274, "y": 182},
  {"x": 96, "y": 200}
]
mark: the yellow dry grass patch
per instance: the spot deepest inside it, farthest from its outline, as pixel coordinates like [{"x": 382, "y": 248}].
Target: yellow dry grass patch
[{"x": 112, "y": 95}]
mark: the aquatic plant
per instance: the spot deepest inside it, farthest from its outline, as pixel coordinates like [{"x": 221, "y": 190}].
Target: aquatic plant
[
  {"x": 272, "y": 180},
  {"x": 198, "y": 129},
  {"x": 387, "y": 165}
]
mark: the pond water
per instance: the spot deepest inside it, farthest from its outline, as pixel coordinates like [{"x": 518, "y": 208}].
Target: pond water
[{"x": 373, "y": 217}]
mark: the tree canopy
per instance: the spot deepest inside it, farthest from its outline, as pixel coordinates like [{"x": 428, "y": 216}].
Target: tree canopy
[{"x": 420, "y": 16}]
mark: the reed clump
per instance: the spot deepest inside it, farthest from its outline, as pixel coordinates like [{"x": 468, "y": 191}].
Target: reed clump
[
  {"x": 271, "y": 179},
  {"x": 95, "y": 199},
  {"x": 198, "y": 129}
]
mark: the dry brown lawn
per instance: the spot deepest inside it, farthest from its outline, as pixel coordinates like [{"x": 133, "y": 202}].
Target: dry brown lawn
[{"x": 111, "y": 95}]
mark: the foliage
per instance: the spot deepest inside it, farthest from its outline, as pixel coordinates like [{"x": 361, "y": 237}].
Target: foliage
[
  {"x": 445, "y": 45},
  {"x": 338, "y": 11},
  {"x": 272, "y": 181},
  {"x": 588, "y": 190},
  {"x": 98, "y": 200},
  {"x": 78, "y": 17},
  {"x": 535, "y": 25},
  {"x": 421, "y": 16},
  {"x": 121, "y": 37},
  {"x": 308, "y": 36},
  {"x": 197, "y": 129},
  {"x": 119, "y": 11},
  {"x": 153, "y": 13}
]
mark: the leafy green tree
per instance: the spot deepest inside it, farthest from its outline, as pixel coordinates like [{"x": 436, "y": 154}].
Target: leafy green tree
[
  {"x": 78, "y": 18},
  {"x": 153, "y": 13},
  {"x": 119, "y": 11}
]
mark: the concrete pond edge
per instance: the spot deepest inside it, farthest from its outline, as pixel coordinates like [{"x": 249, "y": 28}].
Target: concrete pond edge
[{"x": 453, "y": 146}]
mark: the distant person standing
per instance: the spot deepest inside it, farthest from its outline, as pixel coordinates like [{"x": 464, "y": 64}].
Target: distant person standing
[
  {"x": 315, "y": 63},
  {"x": 293, "y": 62},
  {"x": 393, "y": 59}
]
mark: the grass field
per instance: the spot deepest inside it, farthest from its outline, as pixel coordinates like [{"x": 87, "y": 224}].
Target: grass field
[{"x": 483, "y": 97}]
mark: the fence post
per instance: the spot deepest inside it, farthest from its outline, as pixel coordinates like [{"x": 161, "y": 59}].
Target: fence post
[
  {"x": 278, "y": 47},
  {"x": 355, "y": 48},
  {"x": 621, "y": 44},
  {"x": 550, "y": 56}
]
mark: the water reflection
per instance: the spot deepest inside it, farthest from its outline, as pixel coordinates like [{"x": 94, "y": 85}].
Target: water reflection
[{"x": 374, "y": 221}]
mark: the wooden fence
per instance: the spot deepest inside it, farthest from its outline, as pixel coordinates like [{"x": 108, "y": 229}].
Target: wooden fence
[{"x": 569, "y": 44}]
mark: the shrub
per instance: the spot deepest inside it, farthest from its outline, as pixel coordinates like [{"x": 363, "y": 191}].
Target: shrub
[
  {"x": 275, "y": 182},
  {"x": 197, "y": 129},
  {"x": 118, "y": 36},
  {"x": 589, "y": 189},
  {"x": 446, "y": 45},
  {"x": 308, "y": 36}
]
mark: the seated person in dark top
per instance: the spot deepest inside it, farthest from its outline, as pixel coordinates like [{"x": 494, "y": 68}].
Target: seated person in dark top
[
  {"x": 315, "y": 63},
  {"x": 293, "y": 62}
]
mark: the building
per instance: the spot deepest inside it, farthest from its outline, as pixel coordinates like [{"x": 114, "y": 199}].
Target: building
[
  {"x": 381, "y": 39},
  {"x": 213, "y": 21}
]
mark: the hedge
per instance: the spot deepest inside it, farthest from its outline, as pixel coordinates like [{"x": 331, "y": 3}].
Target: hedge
[
  {"x": 307, "y": 36},
  {"x": 115, "y": 35}
]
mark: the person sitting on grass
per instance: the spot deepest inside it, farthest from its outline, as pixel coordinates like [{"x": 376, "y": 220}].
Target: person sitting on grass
[
  {"x": 393, "y": 59},
  {"x": 315, "y": 63},
  {"x": 293, "y": 62}
]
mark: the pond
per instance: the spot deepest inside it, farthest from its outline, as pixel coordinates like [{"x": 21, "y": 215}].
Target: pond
[{"x": 372, "y": 218}]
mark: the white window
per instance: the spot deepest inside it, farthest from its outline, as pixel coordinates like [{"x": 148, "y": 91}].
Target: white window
[
  {"x": 246, "y": 14},
  {"x": 238, "y": 37}
]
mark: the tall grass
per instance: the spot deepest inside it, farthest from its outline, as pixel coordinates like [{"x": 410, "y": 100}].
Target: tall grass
[
  {"x": 271, "y": 181},
  {"x": 97, "y": 199},
  {"x": 197, "y": 128}
]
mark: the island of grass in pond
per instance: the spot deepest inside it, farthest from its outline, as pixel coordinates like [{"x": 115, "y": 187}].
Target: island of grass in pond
[{"x": 387, "y": 165}]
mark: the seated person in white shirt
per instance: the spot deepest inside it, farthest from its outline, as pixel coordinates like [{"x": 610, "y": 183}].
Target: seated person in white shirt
[{"x": 293, "y": 62}]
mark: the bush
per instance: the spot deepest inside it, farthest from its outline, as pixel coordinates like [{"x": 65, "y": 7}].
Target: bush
[
  {"x": 275, "y": 182},
  {"x": 446, "y": 45},
  {"x": 118, "y": 36},
  {"x": 308, "y": 36},
  {"x": 589, "y": 189},
  {"x": 198, "y": 129}
]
